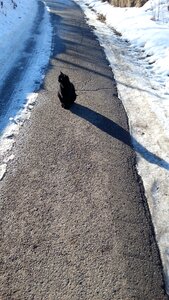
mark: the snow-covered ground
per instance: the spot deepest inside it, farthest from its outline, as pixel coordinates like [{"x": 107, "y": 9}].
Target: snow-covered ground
[
  {"x": 25, "y": 44},
  {"x": 136, "y": 44}
]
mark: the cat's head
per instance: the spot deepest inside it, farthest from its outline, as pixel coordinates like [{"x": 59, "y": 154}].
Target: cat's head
[{"x": 63, "y": 78}]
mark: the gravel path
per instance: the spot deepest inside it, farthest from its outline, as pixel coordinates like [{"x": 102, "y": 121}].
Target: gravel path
[{"x": 74, "y": 218}]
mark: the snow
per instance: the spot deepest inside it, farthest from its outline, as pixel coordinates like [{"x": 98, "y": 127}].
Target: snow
[
  {"x": 15, "y": 26},
  {"x": 135, "y": 41},
  {"x": 15, "y": 29}
]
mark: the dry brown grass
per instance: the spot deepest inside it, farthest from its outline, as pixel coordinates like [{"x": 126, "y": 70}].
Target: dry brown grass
[
  {"x": 116, "y": 32},
  {"x": 127, "y": 3}
]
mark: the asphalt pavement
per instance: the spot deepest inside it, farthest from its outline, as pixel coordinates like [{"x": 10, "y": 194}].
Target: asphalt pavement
[{"x": 75, "y": 221}]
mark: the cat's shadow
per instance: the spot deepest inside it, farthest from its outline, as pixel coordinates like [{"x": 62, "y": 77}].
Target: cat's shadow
[{"x": 117, "y": 132}]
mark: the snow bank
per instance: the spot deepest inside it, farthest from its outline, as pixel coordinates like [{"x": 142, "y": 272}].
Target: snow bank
[
  {"x": 17, "y": 23},
  {"x": 15, "y": 26},
  {"x": 139, "y": 60}
]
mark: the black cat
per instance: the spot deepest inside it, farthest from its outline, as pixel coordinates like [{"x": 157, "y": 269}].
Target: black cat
[{"x": 66, "y": 93}]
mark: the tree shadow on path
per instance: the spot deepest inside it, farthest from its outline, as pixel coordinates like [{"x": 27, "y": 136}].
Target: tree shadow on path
[{"x": 117, "y": 132}]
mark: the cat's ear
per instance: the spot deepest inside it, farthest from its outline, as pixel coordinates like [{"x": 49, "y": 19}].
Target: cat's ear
[{"x": 61, "y": 73}]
